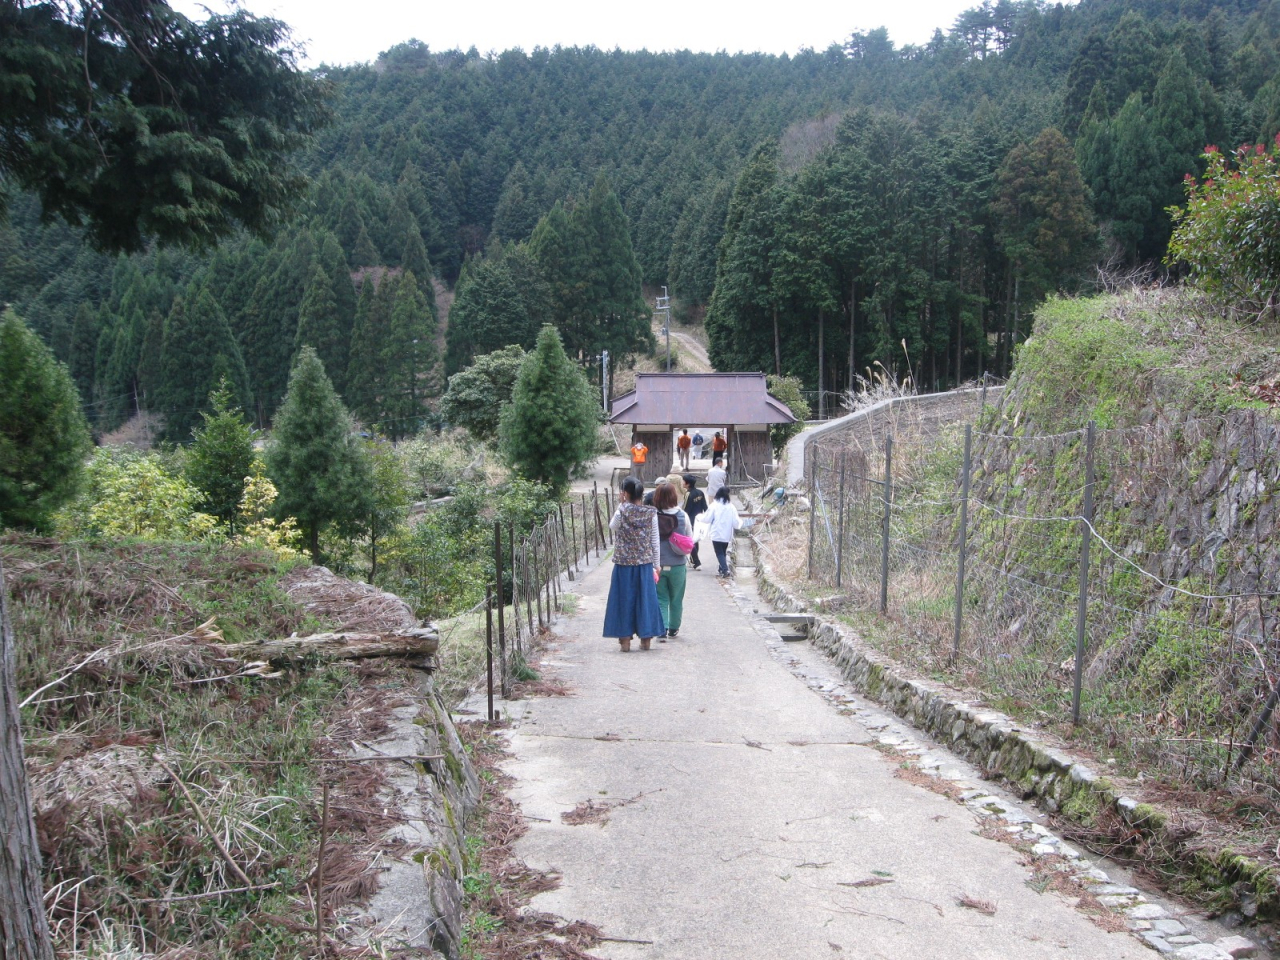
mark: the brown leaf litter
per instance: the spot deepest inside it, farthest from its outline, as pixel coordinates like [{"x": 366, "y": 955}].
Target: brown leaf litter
[
  {"x": 520, "y": 934},
  {"x": 985, "y": 907},
  {"x": 592, "y": 811}
]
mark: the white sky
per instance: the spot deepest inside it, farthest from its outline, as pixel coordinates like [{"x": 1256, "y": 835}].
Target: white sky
[{"x": 347, "y": 32}]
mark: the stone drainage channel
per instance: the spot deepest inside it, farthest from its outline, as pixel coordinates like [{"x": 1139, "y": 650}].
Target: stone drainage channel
[{"x": 1159, "y": 924}]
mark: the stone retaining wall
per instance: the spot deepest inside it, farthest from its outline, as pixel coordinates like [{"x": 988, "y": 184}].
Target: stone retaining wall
[{"x": 1057, "y": 781}]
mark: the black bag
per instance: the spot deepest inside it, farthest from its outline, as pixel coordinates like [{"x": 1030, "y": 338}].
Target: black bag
[{"x": 668, "y": 523}]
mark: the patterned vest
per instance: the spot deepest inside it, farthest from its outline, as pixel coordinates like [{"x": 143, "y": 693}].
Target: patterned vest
[{"x": 633, "y": 540}]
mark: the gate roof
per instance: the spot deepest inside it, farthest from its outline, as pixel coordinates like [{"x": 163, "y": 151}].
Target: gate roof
[{"x": 676, "y": 398}]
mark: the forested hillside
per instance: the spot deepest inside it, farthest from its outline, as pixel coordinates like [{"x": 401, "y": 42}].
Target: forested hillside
[{"x": 823, "y": 211}]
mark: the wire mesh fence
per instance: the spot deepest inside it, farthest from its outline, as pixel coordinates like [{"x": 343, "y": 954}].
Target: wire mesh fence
[
  {"x": 531, "y": 575},
  {"x": 1079, "y": 578}
]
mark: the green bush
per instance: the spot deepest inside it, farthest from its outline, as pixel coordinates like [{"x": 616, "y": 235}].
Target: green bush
[{"x": 1229, "y": 233}]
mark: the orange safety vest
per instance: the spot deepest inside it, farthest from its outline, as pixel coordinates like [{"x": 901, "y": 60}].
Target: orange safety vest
[
  {"x": 719, "y": 444},
  {"x": 683, "y": 441},
  {"x": 638, "y": 453}
]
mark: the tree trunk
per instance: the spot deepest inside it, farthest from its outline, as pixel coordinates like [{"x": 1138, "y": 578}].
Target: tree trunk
[
  {"x": 313, "y": 543},
  {"x": 853, "y": 320},
  {"x": 418, "y": 641},
  {"x": 777, "y": 346},
  {"x": 822, "y": 396},
  {"x": 24, "y": 931}
]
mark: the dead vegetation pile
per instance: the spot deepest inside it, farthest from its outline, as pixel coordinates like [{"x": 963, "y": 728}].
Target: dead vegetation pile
[{"x": 178, "y": 801}]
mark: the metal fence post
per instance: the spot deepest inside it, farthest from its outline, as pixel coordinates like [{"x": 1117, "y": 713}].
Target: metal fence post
[
  {"x": 502, "y": 628},
  {"x": 887, "y": 493},
  {"x": 566, "y": 554},
  {"x": 844, "y": 460},
  {"x": 1082, "y": 610},
  {"x": 964, "y": 536},
  {"x": 488, "y": 645},
  {"x": 813, "y": 505},
  {"x": 549, "y": 564},
  {"x": 573, "y": 540},
  {"x": 601, "y": 543}
]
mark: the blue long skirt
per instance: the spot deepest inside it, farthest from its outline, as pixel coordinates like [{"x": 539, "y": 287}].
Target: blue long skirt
[{"x": 633, "y": 603}]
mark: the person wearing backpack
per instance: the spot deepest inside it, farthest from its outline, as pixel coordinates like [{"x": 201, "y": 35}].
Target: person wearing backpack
[
  {"x": 694, "y": 504},
  {"x": 672, "y": 523},
  {"x": 698, "y": 441}
]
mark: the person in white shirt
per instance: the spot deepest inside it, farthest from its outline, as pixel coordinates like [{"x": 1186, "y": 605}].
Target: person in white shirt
[
  {"x": 721, "y": 520},
  {"x": 717, "y": 477}
]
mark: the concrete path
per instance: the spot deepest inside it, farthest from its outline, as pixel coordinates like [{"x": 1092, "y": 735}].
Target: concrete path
[{"x": 748, "y": 804}]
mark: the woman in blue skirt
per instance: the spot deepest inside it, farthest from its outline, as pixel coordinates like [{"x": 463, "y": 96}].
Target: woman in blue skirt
[{"x": 633, "y": 596}]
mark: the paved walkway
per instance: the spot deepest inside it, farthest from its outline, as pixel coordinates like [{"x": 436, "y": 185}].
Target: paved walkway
[{"x": 751, "y": 802}]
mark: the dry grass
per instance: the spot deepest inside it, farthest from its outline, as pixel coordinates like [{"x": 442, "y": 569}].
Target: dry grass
[
  {"x": 500, "y": 885},
  {"x": 161, "y": 782}
]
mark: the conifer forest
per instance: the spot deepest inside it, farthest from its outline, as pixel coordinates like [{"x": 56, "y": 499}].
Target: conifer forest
[{"x": 820, "y": 212}]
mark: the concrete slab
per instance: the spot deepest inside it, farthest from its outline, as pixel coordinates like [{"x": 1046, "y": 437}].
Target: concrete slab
[{"x": 752, "y": 802}]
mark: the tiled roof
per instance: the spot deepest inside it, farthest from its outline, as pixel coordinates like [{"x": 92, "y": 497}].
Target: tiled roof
[{"x": 679, "y": 398}]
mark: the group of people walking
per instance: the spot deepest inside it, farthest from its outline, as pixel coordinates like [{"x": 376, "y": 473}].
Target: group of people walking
[
  {"x": 686, "y": 446},
  {"x": 655, "y": 543}
]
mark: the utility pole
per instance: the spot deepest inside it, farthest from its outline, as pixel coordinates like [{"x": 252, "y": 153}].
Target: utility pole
[
  {"x": 663, "y": 306},
  {"x": 604, "y": 380}
]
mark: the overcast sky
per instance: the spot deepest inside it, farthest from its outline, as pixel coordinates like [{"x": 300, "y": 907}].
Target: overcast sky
[{"x": 347, "y": 32}]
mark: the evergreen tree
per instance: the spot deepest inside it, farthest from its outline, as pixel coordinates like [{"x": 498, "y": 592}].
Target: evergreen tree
[
  {"x": 516, "y": 214},
  {"x": 116, "y": 386},
  {"x": 271, "y": 320},
  {"x": 548, "y": 432},
  {"x": 365, "y": 254},
  {"x": 314, "y": 458},
  {"x": 320, "y": 326},
  {"x": 1136, "y": 183},
  {"x": 1178, "y": 114},
  {"x": 334, "y": 262},
  {"x": 43, "y": 435},
  {"x": 366, "y": 375},
  {"x": 413, "y": 258},
  {"x": 1042, "y": 210},
  {"x": 198, "y": 352},
  {"x": 499, "y": 301},
  {"x": 741, "y": 318},
  {"x": 408, "y": 359},
  {"x": 614, "y": 300},
  {"x": 149, "y": 373},
  {"x": 221, "y": 457},
  {"x": 84, "y": 347},
  {"x": 560, "y": 249}
]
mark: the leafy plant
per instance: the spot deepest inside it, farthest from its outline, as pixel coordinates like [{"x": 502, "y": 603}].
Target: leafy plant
[
  {"x": 134, "y": 495},
  {"x": 1229, "y": 233}
]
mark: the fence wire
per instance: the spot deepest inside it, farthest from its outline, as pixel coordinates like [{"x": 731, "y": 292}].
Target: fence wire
[
  {"x": 532, "y": 572},
  {"x": 1181, "y": 653}
]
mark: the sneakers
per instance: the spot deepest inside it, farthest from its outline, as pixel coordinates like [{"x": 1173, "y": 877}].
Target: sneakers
[{"x": 672, "y": 633}]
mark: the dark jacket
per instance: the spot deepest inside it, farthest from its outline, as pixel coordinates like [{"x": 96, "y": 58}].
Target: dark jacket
[{"x": 694, "y": 504}]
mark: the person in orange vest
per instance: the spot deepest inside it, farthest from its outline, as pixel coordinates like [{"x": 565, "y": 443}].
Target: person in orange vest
[
  {"x": 683, "y": 443},
  {"x": 718, "y": 446},
  {"x": 639, "y": 452}
]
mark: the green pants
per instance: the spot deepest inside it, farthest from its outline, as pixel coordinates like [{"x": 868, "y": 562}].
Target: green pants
[{"x": 671, "y": 595}]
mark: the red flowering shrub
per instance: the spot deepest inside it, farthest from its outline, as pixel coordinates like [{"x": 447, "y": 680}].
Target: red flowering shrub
[{"x": 1228, "y": 234}]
